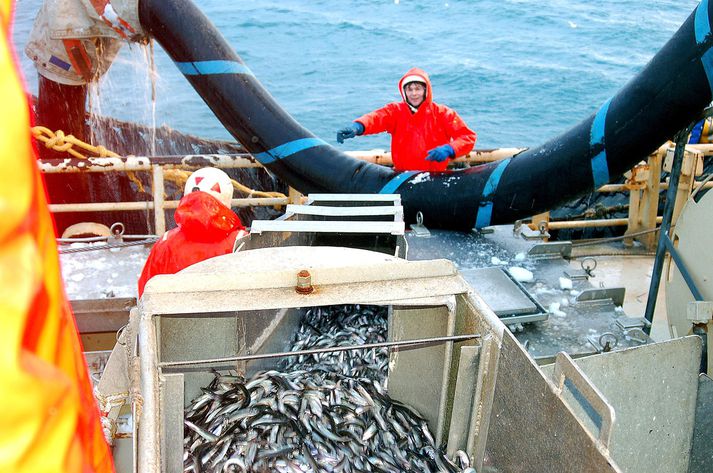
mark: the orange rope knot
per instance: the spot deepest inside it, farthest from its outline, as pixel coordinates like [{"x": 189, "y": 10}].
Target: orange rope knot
[{"x": 103, "y": 152}]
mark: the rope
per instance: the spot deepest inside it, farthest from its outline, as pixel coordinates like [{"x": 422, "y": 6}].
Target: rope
[
  {"x": 58, "y": 141},
  {"x": 179, "y": 177},
  {"x": 599, "y": 241},
  {"x": 82, "y": 249},
  {"x": 106, "y": 405}
]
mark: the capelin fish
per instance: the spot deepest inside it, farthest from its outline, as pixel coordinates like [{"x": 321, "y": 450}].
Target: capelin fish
[{"x": 316, "y": 413}]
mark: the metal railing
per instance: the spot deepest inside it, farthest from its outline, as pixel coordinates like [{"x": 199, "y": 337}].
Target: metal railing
[{"x": 156, "y": 165}]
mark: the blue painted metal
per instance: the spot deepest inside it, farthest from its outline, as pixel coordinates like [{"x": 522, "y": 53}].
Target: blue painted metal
[{"x": 395, "y": 183}]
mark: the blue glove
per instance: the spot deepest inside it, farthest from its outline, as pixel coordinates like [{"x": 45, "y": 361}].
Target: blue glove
[
  {"x": 441, "y": 153},
  {"x": 350, "y": 131}
]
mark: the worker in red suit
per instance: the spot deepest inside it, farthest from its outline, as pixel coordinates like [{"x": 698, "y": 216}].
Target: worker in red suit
[
  {"x": 424, "y": 134},
  {"x": 206, "y": 226}
]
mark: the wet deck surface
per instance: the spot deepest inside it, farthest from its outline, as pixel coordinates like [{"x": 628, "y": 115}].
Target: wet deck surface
[
  {"x": 101, "y": 273},
  {"x": 572, "y": 325}
]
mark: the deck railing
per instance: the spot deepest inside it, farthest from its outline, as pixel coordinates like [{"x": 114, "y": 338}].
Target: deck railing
[{"x": 643, "y": 183}]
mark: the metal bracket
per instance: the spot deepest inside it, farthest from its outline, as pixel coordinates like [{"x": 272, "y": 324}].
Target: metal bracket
[
  {"x": 700, "y": 312},
  {"x": 528, "y": 234},
  {"x": 556, "y": 249},
  {"x": 576, "y": 274},
  {"x": 418, "y": 228},
  {"x": 117, "y": 234},
  {"x": 627, "y": 323},
  {"x": 638, "y": 335},
  {"x": 615, "y": 294},
  {"x": 566, "y": 369},
  {"x": 604, "y": 343}
]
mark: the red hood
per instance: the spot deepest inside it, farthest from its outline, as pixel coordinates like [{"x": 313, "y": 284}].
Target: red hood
[
  {"x": 203, "y": 218},
  {"x": 415, "y": 71}
]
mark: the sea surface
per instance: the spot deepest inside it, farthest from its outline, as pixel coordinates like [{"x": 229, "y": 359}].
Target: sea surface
[{"x": 518, "y": 71}]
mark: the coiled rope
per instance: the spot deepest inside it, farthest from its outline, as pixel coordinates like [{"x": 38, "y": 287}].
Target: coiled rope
[{"x": 59, "y": 141}]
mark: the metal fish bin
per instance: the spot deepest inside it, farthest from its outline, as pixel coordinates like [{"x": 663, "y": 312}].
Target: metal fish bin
[{"x": 488, "y": 407}]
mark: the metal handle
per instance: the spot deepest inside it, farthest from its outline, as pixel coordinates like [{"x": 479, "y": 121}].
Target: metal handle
[{"x": 565, "y": 368}]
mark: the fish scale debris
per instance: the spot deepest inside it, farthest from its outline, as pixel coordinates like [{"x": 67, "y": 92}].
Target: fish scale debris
[{"x": 326, "y": 412}]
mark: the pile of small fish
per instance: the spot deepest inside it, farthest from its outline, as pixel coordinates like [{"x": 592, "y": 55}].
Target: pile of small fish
[
  {"x": 342, "y": 326},
  {"x": 319, "y": 413}
]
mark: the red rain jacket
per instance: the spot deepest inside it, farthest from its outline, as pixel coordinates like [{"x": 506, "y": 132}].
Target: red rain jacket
[
  {"x": 206, "y": 228},
  {"x": 49, "y": 420},
  {"x": 414, "y": 134}
]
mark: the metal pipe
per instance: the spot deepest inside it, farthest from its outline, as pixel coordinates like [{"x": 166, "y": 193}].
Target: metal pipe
[
  {"x": 147, "y": 426},
  {"x": 705, "y": 148},
  {"x": 445, "y": 377},
  {"x": 101, "y": 206},
  {"x": 682, "y": 269},
  {"x": 603, "y": 222},
  {"x": 169, "y": 204},
  {"x": 228, "y": 161},
  {"x": 159, "y": 214},
  {"x": 125, "y": 244},
  {"x": 475, "y": 156},
  {"x": 662, "y": 186},
  {"x": 245, "y": 160},
  {"x": 681, "y": 138},
  {"x": 145, "y": 163},
  {"x": 315, "y": 351}
]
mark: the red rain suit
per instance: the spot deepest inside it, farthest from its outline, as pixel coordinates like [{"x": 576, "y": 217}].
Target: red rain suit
[
  {"x": 49, "y": 420},
  {"x": 414, "y": 134},
  {"x": 206, "y": 228}
]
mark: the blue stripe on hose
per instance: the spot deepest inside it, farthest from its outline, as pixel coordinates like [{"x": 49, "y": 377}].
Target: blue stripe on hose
[
  {"x": 485, "y": 213},
  {"x": 485, "y": 210},
  {"x": 702, "y": 27},
  {"x": 707, "y": 61},
  {"x": 288, "y": 149},
  {"x": 396, "y": 182},
  {"x": 600, "y": 167},
  {"x": 600, "y": 170},
  {"x": 204, "y": 68},
  {"x": 597, "y": 135}
]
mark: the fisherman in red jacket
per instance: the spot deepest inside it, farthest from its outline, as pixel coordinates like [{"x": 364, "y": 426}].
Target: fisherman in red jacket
[
  {"x": 206, "y": 226},
  {"x": 424, "y": 134}
]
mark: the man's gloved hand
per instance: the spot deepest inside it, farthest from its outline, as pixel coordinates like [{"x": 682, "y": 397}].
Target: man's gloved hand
[
  {"x": 441, "y": 153},
  {"x": 354, "y": 128}
]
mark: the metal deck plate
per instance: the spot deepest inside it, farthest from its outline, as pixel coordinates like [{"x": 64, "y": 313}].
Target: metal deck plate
[
  {"x": 103, "y": 273},
  {"x": 499, "y": 291},
  {"x": 571, "y": 323},
  {"x": 530, "y": 427},
  {"x": 653, "y": 391}
]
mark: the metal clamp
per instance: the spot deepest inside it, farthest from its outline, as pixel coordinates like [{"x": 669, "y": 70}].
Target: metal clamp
[
  {"x": 565, "y": 368},
  {"x": 419, "y": 229},
  {"x": 117, "y": 233},
  {"x": 606, "y": 342},
  {"x": 588, "y": 265}
]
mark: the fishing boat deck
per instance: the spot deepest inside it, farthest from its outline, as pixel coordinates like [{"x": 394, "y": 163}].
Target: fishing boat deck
[
  {"x": 574, "y": 324},
  {"x": 102, "y": 287}
]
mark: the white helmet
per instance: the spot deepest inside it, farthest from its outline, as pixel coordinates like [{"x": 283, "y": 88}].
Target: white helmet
[{"x": 213, "y": 181}]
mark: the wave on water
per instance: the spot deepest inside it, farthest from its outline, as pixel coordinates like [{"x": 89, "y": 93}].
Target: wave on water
[{"x": 518, "y": 71}]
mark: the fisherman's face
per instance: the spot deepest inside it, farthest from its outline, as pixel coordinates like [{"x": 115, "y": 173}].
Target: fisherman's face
[{"x": 415, "y": 93}]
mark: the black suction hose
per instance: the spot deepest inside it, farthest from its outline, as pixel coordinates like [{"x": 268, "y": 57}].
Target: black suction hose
[{"x": 669, "y": 93}]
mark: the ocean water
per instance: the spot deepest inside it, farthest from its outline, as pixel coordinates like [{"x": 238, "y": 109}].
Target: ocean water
[{"x": 518, "y": 71}]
